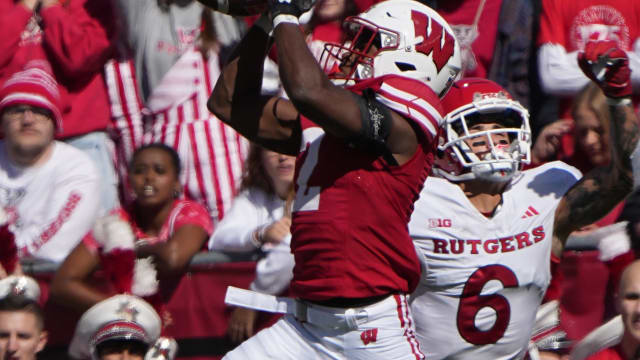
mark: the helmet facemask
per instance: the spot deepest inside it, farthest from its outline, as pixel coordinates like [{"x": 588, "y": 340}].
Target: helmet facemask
[
  {"x": 364, "y": 42},
  {"x": 504, "y": 157}
]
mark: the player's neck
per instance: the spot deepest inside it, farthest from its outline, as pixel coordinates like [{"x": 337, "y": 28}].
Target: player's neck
[{"x": 484, "y": 195}]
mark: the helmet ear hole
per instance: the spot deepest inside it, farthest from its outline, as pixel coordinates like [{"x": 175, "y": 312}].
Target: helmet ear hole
[{"x": 405, "y": 67}]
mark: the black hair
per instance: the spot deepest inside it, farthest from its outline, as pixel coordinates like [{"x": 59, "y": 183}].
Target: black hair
[
  {"x": 17, "y": 302},
  {"x": 175, "y": 158}
]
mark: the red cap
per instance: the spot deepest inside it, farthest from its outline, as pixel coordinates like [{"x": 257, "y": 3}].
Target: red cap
[{"x": 33, "y": 86}]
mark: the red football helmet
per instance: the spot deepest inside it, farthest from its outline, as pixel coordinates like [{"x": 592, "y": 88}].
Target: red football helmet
[
  {"x": 471, "y": 101},
  {"x": 411, "y": 39}
]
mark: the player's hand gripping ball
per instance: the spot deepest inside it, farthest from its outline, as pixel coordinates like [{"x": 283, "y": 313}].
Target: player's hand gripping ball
[
  {"x": 289, "y": 7},
  {"x": 237, "y": 7}
]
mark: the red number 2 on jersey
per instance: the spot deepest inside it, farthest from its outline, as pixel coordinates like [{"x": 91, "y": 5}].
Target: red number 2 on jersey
[{"x": 471, "y": 302}]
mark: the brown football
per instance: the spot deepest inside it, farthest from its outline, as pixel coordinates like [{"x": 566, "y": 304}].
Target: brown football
[{"x": 237, "y": 7}]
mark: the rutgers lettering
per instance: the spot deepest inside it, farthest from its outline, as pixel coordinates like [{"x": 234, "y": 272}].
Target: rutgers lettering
[
  {"x": 432, "y": 44},
  {"x": 490, "y": 246},
  {"x": 369, "y": 336}
]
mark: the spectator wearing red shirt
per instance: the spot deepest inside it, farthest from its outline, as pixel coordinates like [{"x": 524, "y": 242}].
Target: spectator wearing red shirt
[{"x": 154, "y": 240}]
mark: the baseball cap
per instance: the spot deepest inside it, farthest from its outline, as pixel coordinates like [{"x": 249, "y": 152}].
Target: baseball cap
[
  {"x": 34, "y": 86},
  {"x": 120, "y": 317}
]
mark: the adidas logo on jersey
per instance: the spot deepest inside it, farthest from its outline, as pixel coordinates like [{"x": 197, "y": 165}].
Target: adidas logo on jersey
[{"x": 530, "y": 212}]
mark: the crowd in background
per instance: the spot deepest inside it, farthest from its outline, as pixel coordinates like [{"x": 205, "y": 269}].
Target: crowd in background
[{"x": 141, "y": 176}]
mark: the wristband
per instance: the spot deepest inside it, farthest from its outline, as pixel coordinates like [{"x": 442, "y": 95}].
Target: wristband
[
  {"x": 264, "y": 24},
  {"x": 285, "y": 18}
]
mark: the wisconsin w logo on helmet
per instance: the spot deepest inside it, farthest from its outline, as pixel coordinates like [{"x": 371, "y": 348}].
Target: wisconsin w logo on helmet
[
  {"x": 431, "y": 44},
  {"x": 402, "y": 37}
]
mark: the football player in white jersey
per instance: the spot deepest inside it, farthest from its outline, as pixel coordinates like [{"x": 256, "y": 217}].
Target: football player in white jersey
[{"x": 485, "y": 231}]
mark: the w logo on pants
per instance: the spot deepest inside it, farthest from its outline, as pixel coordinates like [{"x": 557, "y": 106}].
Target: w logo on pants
[{"x": 369, "y": 336}]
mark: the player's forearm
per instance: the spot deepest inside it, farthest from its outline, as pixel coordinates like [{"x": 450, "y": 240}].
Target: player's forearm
[
  {"x": 301, "y": 76},
  {"x": 624, "y": 136},
  {"x": 604, "y": 187},
  {"x": 241, "y": 78},
  {"x": 625, "y": 148}
]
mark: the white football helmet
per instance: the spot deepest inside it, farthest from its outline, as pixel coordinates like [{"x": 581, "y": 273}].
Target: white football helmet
[
  {"x": 412, "y": 40},
  {"x": 471, "y": 101}
]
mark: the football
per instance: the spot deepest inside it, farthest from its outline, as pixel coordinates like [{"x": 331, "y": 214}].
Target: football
[{"x": 237, "y": 7}]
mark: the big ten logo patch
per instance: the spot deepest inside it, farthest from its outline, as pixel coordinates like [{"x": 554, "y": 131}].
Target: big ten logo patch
[
  {"x": 439, "y": 223},
  {"x": 369, "y": 336}
]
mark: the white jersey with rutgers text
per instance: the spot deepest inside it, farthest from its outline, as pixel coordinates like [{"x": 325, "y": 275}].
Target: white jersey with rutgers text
[{"x": 483, "y": 278}]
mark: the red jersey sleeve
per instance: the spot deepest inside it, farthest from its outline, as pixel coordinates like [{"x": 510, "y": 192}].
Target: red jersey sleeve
[
  {"x": 192, "y": 213},
  {"x": 551, "y": 24},
  {"x": 413, "y": 99},
  {"x": 78, "y": 34}
]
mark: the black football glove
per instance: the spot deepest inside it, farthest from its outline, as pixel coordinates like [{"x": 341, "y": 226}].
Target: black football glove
[{"x": 289, "y": 7}]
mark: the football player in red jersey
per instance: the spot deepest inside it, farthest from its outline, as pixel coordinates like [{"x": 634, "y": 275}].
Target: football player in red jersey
[
  {"x": 486, "y": 246},
  {"x": 365, "y": 148}
]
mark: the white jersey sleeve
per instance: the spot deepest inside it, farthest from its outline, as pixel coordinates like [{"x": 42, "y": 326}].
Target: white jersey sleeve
[
  {"x": 485, "y": 277},
  {"x": 561, "y": 75},
  {"x": 53, "y": 205},
  {"x": 250, "y": 210},
  {"x": 559, "y": 71}
]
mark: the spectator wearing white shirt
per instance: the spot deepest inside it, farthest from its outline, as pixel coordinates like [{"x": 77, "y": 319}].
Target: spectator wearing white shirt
[
  {"x": 258, "y": 220},
  {"x": 49, "y": 189}
]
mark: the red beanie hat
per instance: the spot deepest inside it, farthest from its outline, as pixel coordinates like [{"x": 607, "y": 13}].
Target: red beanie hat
[{"x": 33, "y": 86}]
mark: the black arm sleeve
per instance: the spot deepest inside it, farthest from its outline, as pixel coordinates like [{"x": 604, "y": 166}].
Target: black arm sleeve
[{"x": 376, "y": 126}]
